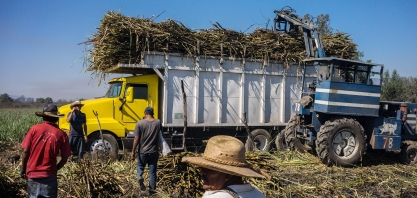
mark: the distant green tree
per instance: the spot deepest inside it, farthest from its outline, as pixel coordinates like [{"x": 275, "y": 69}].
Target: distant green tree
[
  {"x": 40, "y": 100},
  {"x": 5, "y": 98},
  {"x": 322, "y": 22},
  {"x": 30, "y": 100},
  {"x": 410, "y": 86},
  {"x": 392, "y": 87},
  {"x": 21, "y": 99},
  {"x": 48, "y": 100},
  {"x": 61, "y": 102}
]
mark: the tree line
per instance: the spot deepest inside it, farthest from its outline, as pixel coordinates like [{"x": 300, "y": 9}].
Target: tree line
[
  {"x": 28, "y": 102},
  {"x": 397, "y": 88}
]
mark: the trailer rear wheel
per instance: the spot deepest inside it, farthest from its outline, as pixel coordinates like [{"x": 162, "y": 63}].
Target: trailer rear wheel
[
  {"x": 110, "y": 147},
  {"x": 292, "y": 141},
  {"x": 280, "y": 142},
  {"x": 261, "y": 140},
  {"x": 341, "y": 142},
  {"x": 409, "y": 154}
]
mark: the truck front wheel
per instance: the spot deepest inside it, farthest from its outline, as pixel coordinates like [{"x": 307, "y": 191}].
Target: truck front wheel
[
  {"x": 109, "y": 147},
  {"x": 341, "y": 142}
]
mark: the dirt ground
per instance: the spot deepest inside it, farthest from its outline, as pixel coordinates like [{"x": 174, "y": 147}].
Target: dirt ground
[{"x": 379, "y": 175}]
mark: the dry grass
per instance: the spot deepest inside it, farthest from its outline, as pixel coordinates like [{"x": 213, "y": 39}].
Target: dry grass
[{"x": 292, "y": 174}]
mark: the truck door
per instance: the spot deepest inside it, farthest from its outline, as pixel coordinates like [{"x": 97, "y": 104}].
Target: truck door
[{"x": 133, "y": 111}]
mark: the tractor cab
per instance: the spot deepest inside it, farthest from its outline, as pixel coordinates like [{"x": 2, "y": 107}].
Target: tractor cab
[{"x": 344, "y": 87}]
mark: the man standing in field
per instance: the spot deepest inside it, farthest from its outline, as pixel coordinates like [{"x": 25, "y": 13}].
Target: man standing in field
[
  {"x": 41, "y": 146},
  {"x": 147, "y": 136},
  {"x": 78, "y": 129}
]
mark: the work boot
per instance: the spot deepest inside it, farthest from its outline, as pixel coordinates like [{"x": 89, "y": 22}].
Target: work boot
[
  {"x": 141, "y": 185},
  {"x": 151, "y": 192}
]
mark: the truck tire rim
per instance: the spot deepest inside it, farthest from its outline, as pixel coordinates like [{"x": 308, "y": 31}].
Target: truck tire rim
[
  {"x": 260, "y": 142},
  {"x": 98, "y": 145},
  {"x": 344, "y": 143}
]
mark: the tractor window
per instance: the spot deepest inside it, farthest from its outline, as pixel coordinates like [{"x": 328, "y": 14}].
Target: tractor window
[
  {"x": 375, "y": 75},
  {"x": 338, "y": 74},
  {"x": 362, "y": 75},
  {"x": 350, "y": 74},
  {"x": 323, "y": 72}
]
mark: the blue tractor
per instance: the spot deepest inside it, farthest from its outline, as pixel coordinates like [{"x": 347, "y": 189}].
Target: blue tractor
[{"x": 340, "y": 115}]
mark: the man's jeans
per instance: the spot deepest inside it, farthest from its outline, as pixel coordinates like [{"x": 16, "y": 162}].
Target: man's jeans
[
  {"x": 152, "y": 160},
  {"x": 77, "y": 145},
  {"x": 42, "y": 187}
]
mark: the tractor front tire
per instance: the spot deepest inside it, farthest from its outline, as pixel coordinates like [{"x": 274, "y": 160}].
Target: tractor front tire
[
  {"x": 341, "y": 142},
  {"x": 280, "y": 142},
  {"x": 292, "y": 141}
]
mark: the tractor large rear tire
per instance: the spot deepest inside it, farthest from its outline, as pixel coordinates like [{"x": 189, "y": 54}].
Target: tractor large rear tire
[
  {"x": 292, "y": 141},
  {"x": 408, "y": 153},
  {"x": 341, "y": 142},
  {"x": 280, "y": 142}
]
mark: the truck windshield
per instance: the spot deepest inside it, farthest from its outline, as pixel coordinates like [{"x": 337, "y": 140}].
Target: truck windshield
[{"x": 114, "y": 90}]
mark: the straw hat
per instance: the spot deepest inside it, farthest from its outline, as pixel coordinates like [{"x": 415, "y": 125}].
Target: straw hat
[
  {"x": 76, "y": 103},
  {"x": 225, "y": 154},
  {"x": 50, "y": 110}
]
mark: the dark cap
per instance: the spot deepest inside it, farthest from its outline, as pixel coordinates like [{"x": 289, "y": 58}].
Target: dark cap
[
  {"x": 50, "y": 110},
  {"x": 149, "y": 111}
]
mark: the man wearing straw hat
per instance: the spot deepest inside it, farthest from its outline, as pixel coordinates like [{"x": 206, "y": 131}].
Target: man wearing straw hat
[
  {"x": 41, "y": 146},
  {"x": 222, "y": 166},
  {"x": 78, "y": 129}
]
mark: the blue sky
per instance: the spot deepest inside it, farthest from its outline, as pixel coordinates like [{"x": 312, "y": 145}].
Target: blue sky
[{"x": 40, "y": 55}]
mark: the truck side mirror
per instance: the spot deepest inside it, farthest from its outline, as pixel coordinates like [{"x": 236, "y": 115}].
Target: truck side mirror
[{"x": 129, "y": 95}]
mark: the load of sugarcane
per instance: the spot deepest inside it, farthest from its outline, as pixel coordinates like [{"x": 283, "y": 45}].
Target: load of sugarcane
[{"x": 123, "y": 39}]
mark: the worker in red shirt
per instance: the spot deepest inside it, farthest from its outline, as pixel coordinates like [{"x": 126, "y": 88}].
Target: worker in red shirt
[{"x": 41, "y": 147}]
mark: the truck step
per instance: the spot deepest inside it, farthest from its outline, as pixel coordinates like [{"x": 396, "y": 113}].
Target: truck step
[{"x": 177, "y": 148}]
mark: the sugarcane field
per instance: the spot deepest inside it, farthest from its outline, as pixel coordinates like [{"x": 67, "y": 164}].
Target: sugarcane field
[{"x": 315, "y": 120}]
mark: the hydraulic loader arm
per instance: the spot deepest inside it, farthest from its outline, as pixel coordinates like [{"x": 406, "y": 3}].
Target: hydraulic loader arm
[{"x": 287, "y": 21}]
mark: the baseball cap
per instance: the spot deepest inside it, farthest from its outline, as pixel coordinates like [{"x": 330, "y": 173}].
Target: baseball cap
[{"x": 149, "y": 110}]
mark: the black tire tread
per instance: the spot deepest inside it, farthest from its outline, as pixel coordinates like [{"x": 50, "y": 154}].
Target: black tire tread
[
  {"x": 293, "y": 143},
  {"x": 280, "y": 141},
  {"x": 114, "y": 151},
  {"x": 407, "y": 146},
  {"x": 322, "y": 142},
  {"x": 265, "y": 133}
]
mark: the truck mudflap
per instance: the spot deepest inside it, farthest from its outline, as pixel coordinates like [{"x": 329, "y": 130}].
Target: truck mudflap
[{"x": 387, "y": 134}]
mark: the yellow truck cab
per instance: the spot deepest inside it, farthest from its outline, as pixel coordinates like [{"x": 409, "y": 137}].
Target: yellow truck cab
[{"x": 118, "y": 112}]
